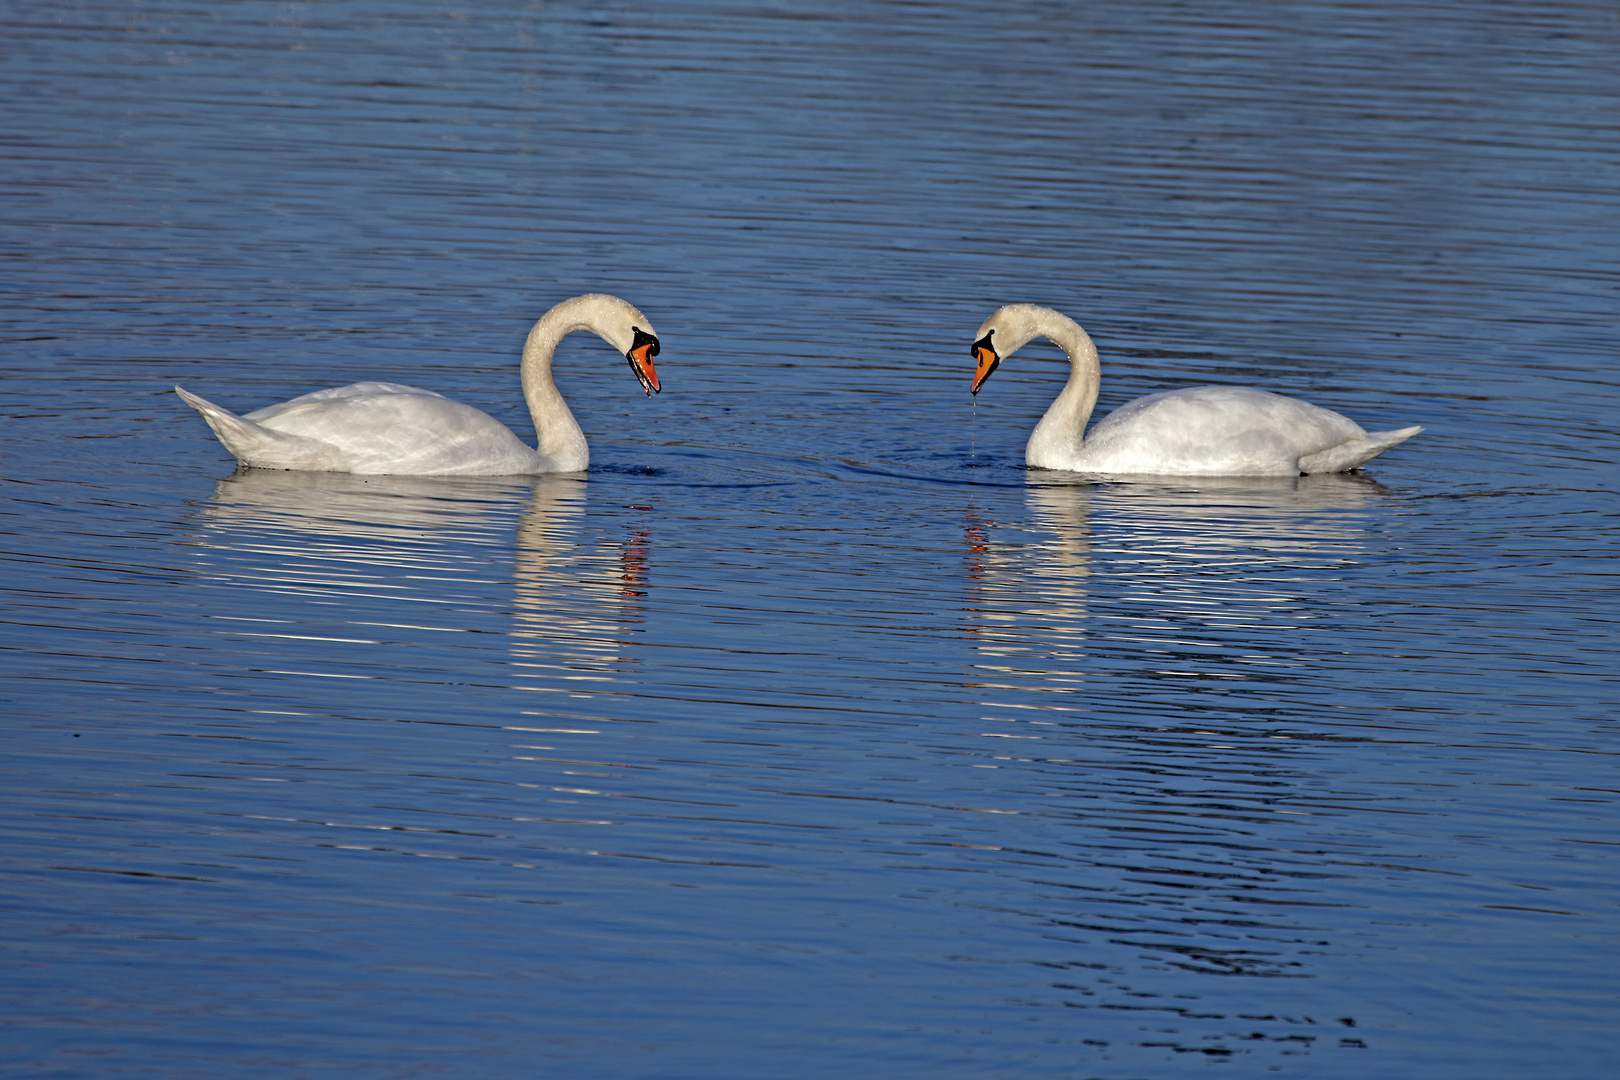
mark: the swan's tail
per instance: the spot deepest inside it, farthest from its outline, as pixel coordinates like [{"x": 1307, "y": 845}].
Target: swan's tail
[
  {"x": 259, "y": 447},
  {"x": 1353, "y": 455}
]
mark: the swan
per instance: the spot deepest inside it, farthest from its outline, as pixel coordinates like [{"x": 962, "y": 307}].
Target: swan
[
  {"x": 1198, "y": 431},
  {"x": 385, "y": 428}
]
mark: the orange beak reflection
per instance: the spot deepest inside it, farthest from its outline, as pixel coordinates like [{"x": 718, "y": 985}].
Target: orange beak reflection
[
  {"x": 984, "y": 355},
  {"x": 644, "y": 348}
]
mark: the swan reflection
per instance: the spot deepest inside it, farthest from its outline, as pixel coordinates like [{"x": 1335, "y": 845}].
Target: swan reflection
[
  {"x": 573, "y": 599},
  {"x": 1160, "y": 564},
  {"x": 358, "y": 507},
  {"x": 323, "y": 533},
  {"x": 1026, "y": 603},
  {"x": 575, "y": 605},
  {"x": 1228, "y": 521}
]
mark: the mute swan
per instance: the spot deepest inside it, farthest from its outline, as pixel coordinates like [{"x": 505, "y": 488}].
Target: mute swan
[
  {"x": 378, "y": 427},
  {"x": 1199, "y": 431}
]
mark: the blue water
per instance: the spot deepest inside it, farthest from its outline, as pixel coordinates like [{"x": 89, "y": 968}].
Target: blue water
[{"x": 809, "y": 735}]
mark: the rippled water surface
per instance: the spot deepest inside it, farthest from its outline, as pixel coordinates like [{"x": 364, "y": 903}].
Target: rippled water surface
[{"x": 809, "y": 735}]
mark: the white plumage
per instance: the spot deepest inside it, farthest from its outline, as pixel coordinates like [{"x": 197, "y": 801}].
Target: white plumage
[
  {"x": 1200, "y": 431},
  {"x": 387, "y": 428}
]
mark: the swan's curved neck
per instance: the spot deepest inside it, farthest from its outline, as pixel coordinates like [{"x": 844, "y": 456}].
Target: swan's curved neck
[
  {"x": 1061, "y": 431},
  {"x": 560, "y": 440}
]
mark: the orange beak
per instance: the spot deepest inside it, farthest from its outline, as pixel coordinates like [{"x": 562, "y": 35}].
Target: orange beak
[
  {"x": 984, "y": 354},
  {"x": 642, "y": 350}
]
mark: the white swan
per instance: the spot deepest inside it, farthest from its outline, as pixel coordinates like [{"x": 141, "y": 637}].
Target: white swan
[
  {"x": 1200, "y": 431},
  {"x": 386, "y": 428}
]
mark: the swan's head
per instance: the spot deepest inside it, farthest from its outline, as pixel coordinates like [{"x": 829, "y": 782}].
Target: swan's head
[
  {"x": 643, "y": 347},
  {"x": 1012, "y": 327},
  {"x": 985, "y": 357},
  {"x": 616, "y": 322},
  {"x": 1001, "y": 335}
]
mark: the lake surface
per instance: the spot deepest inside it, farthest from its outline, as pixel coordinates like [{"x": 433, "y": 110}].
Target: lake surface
[{"x": 809, "y": 734}]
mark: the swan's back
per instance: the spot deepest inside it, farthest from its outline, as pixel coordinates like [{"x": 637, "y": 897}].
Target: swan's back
[
  {"x": 371, "y": 429},
  {"x": 337, "y": 393},
  {"x": 1215, "y": 430},
  {"x": 390, "y": 428}
]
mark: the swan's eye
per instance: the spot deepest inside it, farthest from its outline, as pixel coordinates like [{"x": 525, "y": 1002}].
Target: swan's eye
[
  {"x": 643, "y": 338},
  {"x": 985, "y": 356}
]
